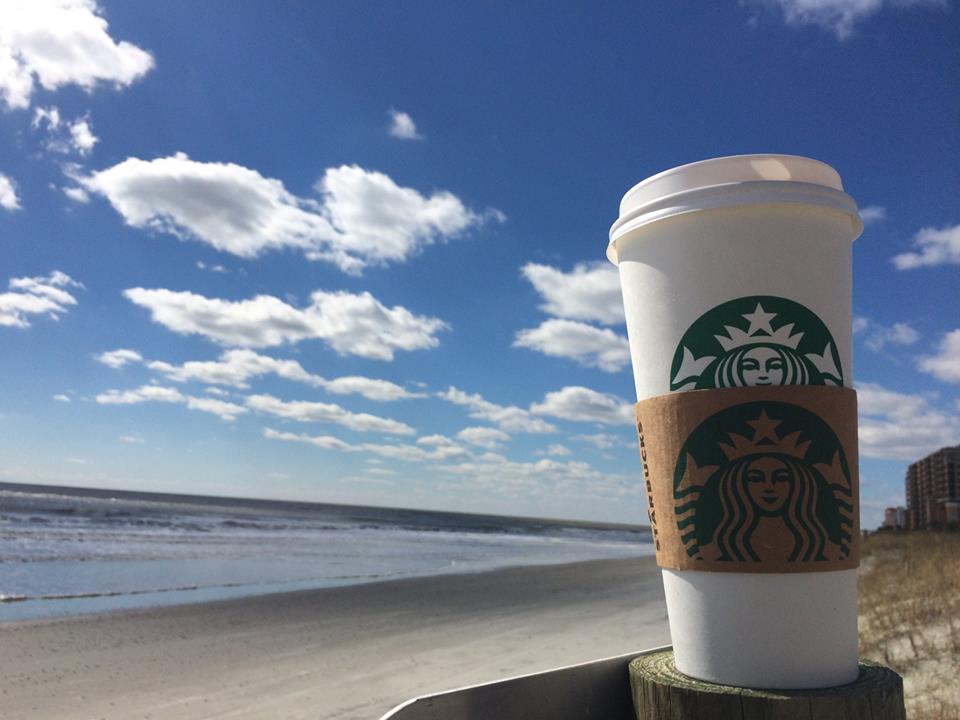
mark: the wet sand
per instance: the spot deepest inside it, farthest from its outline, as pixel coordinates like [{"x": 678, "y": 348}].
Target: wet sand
[{"x": 347, "y": 653}]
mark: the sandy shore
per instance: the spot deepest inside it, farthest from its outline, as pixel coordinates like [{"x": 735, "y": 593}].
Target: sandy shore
[{"x": 341, "y": 653}]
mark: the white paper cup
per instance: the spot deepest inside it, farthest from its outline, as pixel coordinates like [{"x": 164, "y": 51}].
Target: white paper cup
[{"x": 697, "y": 239}]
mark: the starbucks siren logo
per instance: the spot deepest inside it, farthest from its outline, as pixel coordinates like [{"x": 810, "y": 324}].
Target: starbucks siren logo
[
  {"x": 764, "y": 481},
  {"x": 757, "y": 340}
]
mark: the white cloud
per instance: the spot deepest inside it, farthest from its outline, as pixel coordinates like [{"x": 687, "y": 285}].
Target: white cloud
[
  {"x": 157, "y": 393},
  {"x": 542, "y": 476},
  {"x": 230, "y": 207},
  {"x": 236, "y": 367},
  {"x": 47, "y": 117},
  {"x": 61, "y": 42},
  {"x": 326, "y": 442},
  {"x": 352, "y": 324},
  {"x": 145, "y": 393},
  {"x": 220, "y": 408},
  {"x": 872, "y": 214},
  {"x": 507, "y": 417},
  {"x": 587, "y": 345},
  {"x": 118, "y": 358},
  {"x": 402, "y": 126},
  {"x": 896, "y": 334},
  {"x": 378, "y": 221},
  {"x": 212, "y": 268},
  {"x": 836, "y": 16},
  {"x": 485, "y": 437},
  {"x": 386, "y": 472},
  {"x": 362, "y": 217},
  {"x": 581, "y": 404},
  {"x": 404, "y": 452},
  {"x": 62, "y": 398},
  {"x": 591, "y": 291},
  {"x": 132, "y": 439},
  {"x": 602, "y": 441},
  {"x": 488, "y": 469},
  {"x": 901, "y": 426},
  {"x": 82, "y": 137},
  {"x": 945, "y": 365},
  {"x": 8, "y": 194},
  {"x": 77, "y": 194},
  {"x": 558, "y": 450},
  {"x": 64, "y": 137},
  {"x": 36, "y": 296},
  {"x": 370, "y": 388},
  {"x": 303, "y": 411},
  {"x": 934, "y": 246},
  {"x": 860, "y": 324}
]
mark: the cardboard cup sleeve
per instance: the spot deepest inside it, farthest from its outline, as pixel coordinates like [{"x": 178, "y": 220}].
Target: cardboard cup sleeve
[{"x": 753, "y": 479}]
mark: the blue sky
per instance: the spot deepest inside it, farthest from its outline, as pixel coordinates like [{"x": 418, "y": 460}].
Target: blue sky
[{"x": 354, "y": 252}]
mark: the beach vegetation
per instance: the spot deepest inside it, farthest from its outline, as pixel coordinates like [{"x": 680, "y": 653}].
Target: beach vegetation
[{"x": 910, "y": 616}]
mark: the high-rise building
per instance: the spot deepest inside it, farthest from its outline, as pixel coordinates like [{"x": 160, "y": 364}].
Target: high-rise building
[
  {"x": 895, "y": 518},
  {"x": 933, "y": 499}
]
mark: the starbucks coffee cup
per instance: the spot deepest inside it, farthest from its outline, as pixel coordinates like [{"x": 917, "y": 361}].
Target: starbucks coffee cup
[{"x": 736, "y": 279}]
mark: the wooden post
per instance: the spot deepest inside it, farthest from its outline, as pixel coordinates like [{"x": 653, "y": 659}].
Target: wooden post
[{"x": 661, "y": 692}]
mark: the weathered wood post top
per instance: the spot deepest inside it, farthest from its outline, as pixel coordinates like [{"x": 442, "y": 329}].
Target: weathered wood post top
[{"x": 661, "y": 692}]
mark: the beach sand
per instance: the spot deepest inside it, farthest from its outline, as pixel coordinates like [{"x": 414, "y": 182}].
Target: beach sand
[{"x": 351, "y": 652}]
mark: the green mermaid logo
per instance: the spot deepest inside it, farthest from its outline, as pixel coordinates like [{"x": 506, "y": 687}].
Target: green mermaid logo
[
  {"x": 753, "y": 341},
  {"x": 764, "y": 481}
]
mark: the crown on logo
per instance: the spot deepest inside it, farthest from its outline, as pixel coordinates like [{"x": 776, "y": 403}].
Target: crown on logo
[
  {"x": 760, "y": 331},
  {"x": 765, "y": 441}
]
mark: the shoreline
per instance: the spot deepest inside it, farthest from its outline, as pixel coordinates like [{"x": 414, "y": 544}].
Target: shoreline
[
  {"x": 345, "y": 652},
  {"x": 223, "y": 594}
]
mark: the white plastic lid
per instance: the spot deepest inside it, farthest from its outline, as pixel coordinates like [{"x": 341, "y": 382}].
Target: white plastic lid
[{"x": 728, "y": 182}]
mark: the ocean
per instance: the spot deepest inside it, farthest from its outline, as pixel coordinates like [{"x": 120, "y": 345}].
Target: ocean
[{"x": 67, "y": 551}]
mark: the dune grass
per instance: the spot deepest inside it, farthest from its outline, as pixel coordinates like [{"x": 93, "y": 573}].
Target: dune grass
[{"x": 910, "y": 616}]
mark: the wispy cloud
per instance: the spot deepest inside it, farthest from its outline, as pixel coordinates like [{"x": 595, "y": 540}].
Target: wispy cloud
[
  {"x": 404, "y": 452},
  {"x": 604, "y": 441},
  {"x": 486, "y": 437},
  {"x": 581, "y": 404},
  {"x": 873, "y": 214},
  {"x": 351, "y": 324},
  {"x": 508, "y": 418},
  {"x": 878, "y": 336},
  {"x": 55, "y": 43},
  {"x": 541, "y": 477},
  {"x": 489, "y": 469},
  {"x": 157, "y": 393},
  {"x": 236, "y": 368},
  {"x": 402, "y": 126},
  {"x": 9, "y": 200},
  {"x": 556, "y": 450},
  {"x": 945, "y": 365},
  {"x": 837, "y": 16},
  {"x": 933, "y": 246},
  {"x": 902, "y": 426},
  {"x": 119, "y": 358},
  {"x": 46, "y": 295},
  {"x": 317, "y": 412},
  {"x": 65, "y": 136}
]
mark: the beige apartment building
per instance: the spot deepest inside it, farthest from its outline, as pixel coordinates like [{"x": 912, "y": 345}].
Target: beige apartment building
[{"x": 932, "y": 490}]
